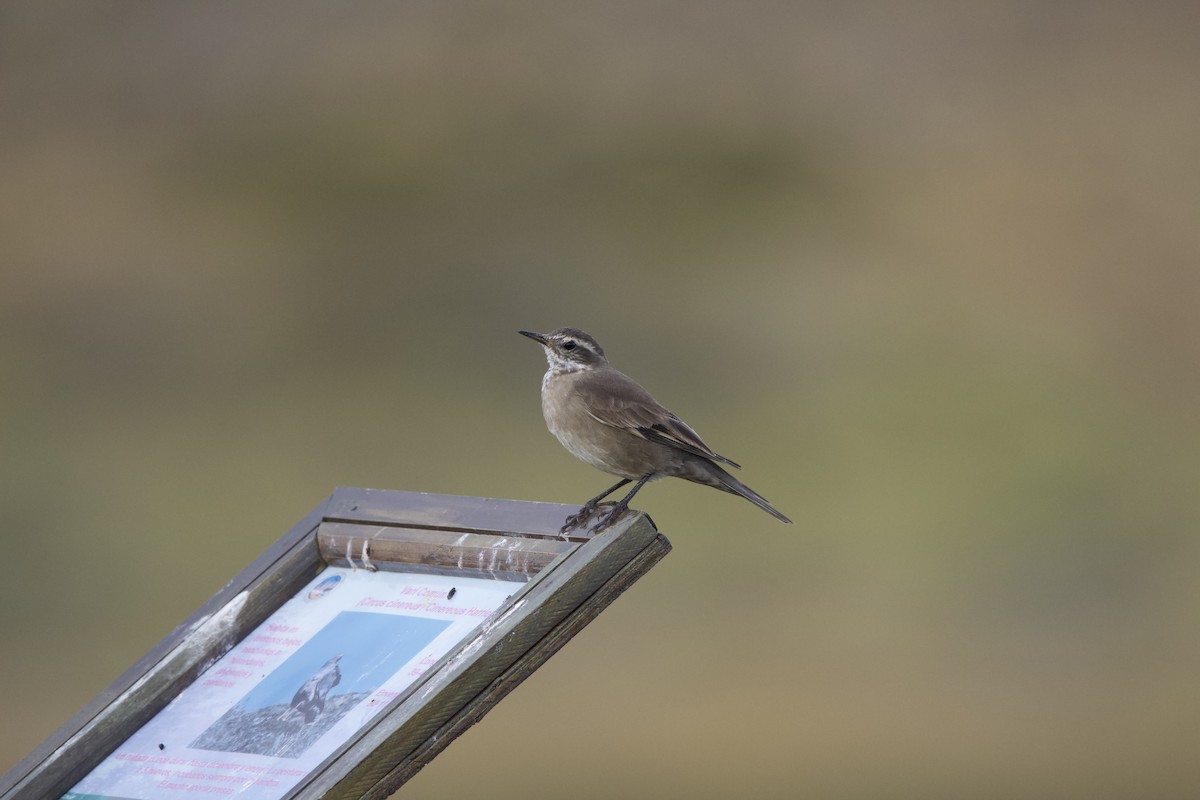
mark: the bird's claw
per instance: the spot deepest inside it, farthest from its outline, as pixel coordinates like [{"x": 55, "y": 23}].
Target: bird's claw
[
  {"x": 608, "y": 518},
  {"x": 575, "y": 520},
  {"x": 583, "y": 515}
]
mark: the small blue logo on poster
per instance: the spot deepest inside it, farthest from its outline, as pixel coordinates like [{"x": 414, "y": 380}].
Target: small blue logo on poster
[{"x": 324, "y": 587}]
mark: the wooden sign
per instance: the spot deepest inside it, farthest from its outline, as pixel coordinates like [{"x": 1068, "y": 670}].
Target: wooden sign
[{"x": 345, "y": 657}]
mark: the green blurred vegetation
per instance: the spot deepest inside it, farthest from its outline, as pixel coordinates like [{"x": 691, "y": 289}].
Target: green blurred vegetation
[{"x": 929, "y": 270}]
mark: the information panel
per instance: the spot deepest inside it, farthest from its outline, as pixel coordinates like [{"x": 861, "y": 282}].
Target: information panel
[{"x": 288, "y": 695}]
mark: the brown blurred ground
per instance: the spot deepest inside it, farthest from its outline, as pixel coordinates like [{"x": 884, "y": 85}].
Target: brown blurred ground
[{"x": 929, "y": 270}]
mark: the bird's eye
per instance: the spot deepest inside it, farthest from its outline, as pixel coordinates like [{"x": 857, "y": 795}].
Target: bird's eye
[{"x": 569, "y": 344}]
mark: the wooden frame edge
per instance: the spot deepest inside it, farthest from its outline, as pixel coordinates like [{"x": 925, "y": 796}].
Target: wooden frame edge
[
  {"x": 540, "y": 617},
  {"x": 158, "y": 676}
]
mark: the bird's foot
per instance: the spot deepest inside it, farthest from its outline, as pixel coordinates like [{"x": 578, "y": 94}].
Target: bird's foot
[
  {"x": 609, "y": 517},
  {"x": 582, "y": 515},
  {"x": 578, "y": 518}
]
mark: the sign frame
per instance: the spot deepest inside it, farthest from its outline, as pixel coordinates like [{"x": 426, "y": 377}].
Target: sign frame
[{"x": 568, "y": 582}]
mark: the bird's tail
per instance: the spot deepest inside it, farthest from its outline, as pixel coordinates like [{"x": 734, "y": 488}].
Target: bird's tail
[{"x": 712, "y": 475}]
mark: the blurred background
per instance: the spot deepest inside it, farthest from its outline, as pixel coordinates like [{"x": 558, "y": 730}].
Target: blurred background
[{"x": 929, "y": 270}]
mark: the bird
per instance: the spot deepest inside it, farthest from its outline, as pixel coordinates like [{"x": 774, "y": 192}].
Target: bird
[
  {"x": 309, "y": 700},
  {"x": 606, "y": 419}
]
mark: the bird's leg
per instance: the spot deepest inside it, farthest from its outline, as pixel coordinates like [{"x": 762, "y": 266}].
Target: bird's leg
[
  {"x": 613, "y": 514},
  {"x": 589, "y": 508}
]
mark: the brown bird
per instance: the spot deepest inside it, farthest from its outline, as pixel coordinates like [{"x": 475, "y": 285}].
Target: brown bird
[{"x": 607, "y": 419}]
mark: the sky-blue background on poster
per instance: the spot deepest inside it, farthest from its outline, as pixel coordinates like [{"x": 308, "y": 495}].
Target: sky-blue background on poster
[{"x": 373, "y": 648}]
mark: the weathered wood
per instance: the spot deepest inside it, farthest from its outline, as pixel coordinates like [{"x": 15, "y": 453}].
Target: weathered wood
[
  {"x": 473, "y": 514},
  {"x": 464, "y": 673},
  {"x": 159, "y": 676},
  {"x": 568, "y": 583},
  {"x": 537, "y": 655},
  {"x": 510, "y": 556}
]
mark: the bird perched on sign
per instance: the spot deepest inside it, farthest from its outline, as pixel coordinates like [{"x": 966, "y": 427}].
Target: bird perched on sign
[{"x": 605, "y": 418}]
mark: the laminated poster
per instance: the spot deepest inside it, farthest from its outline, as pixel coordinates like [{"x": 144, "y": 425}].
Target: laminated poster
[{"x": 302, "y": 684}]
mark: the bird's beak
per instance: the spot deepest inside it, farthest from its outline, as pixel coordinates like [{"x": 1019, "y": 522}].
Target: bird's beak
[{"x": 540, "y": 338}]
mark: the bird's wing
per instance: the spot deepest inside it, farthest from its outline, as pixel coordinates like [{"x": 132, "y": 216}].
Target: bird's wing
[
  {"x": 619, "y": 401},
  {"x": 303, "y": 693},
  {"x": 330, "y": 679}
]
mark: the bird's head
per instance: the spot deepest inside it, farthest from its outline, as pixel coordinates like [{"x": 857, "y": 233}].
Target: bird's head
[{"x": 569, "y": 349}]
